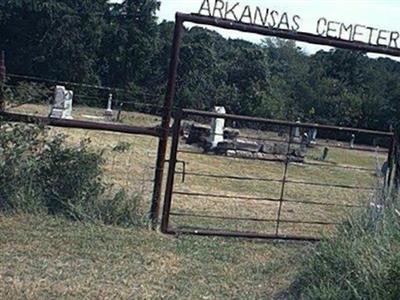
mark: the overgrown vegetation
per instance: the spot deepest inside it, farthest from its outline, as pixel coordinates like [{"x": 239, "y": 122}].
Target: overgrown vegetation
[
  {"x": 39, "y": 172},
  {"x": 361, "y": 262},
  {"x": 25, "y": 92}
]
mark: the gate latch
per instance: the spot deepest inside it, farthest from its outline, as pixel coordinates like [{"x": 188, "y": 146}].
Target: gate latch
[
  {"x": 183, "y": 169},
  {"x": 183, "y": 172}
]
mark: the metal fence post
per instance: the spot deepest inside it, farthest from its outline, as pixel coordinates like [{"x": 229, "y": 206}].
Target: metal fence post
[
  {"x": 284, "y": 180},
  {"x": 166, "y": 119},
  {"x": 171, "y": 173}
]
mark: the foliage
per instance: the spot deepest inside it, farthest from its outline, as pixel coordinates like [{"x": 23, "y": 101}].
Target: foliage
[
  {"x": 122, "y": 45},
  {"x": 40, "y": 173},
  {"x": 362, "y": 262},
  {"x": 122, "y": 147},
  {"x": 26, "y": 92}
]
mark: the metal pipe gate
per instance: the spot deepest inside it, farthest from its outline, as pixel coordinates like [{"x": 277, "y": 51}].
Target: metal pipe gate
[{"x": 276, "y": 218}]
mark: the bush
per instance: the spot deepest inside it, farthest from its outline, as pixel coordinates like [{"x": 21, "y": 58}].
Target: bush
[
  {"x": 361, "y": 262},
  {"x": 40, "y": 173}
]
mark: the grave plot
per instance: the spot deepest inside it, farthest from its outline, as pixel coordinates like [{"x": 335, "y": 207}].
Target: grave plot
[{"x": 248, "y": 177}]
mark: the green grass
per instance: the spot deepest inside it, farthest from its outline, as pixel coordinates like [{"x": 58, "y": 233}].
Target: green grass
[{"x": 50, "y": 258}]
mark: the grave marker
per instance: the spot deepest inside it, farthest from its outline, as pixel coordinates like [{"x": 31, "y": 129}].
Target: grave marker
[
  {"x": 217, "y": 127},
  {"x": 296, "y": 132},
  {"x": 313, "y": 132},
  {"x": 109, "y": 111},
  {"x": 304, "y": 142},
  {"x": 62, "y": 107},
  {"x": 352, "y": 141}
]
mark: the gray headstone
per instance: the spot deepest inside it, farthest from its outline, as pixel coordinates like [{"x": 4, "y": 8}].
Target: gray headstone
[
  {"x": 231, "y": 134},
  {"x": 296, "y": 131},
  {"x": 304, "y": 142},
  {"x": 267, "y": 148},
  {"x": 198, "y": 133},
  {"x": 248, "y": 146}
]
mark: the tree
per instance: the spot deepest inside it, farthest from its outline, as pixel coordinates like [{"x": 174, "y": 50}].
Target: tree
[{"x": 53, "y": 38}]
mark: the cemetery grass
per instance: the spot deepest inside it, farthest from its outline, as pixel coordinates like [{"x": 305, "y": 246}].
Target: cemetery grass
[{"x": 43, "y": 257}]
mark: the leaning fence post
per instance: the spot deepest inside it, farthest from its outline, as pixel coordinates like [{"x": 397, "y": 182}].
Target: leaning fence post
[
  {"x": 166, "y": 119},
  {"x": 2, "y": 81}
]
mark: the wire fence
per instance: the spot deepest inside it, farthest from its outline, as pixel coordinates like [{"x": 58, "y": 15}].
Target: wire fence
[
  {"x": 127, "y": 138},
  {"x": 34, "y": 95}
]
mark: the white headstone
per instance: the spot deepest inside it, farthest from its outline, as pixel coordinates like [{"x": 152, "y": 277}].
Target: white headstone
[
  {"x": 59, "y": 97},
  {"x": 296, "y": 132},
  {"x": 217, "y": 127},
  {"x": 68, "y": 99},
  {"x": 109, "y": 111},
  {"x": 313, "y": 136},
  {"x": 62, "y": 107},
  {"x": 352, "y": 141}
]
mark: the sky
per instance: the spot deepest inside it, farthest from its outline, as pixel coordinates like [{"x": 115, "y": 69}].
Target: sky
[{"x": 382, "y": 14}]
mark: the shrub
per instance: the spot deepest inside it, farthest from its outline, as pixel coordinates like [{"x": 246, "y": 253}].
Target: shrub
[
  {"x": 361, "y": 262},
  {"x": 122, "y": 147},
  {"x": 69, "y": 177},
  {"x": 121, "y": 209},
  {"x": 19, "y": 146},
  {"x": 40, "y": 173}
]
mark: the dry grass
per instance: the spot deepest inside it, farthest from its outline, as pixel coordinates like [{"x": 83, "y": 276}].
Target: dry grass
[{"x": 48, "y": 258}]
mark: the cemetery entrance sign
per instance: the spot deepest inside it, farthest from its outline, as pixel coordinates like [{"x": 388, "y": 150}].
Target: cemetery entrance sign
[
  {"x": 287, "y": 27},
  {"x": 274, "y": 19}
]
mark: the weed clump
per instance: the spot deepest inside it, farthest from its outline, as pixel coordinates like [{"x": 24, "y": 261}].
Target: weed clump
[
  {"x": 361, "y": 262},
  {"x": 42, "y": 173}
]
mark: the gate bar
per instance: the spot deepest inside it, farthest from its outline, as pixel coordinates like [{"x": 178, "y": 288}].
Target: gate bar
[
  {"x": 245, "y": 235},
  {"x": 284, "y": 180},
  {"x": 30, "y": 119},
  {"x": 171, "y": 173}
]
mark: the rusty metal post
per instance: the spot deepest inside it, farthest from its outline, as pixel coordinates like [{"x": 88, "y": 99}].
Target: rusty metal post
[
  {"x": 166, "y": 119},
  {"x": 2, "y": 80},
  {"x": 391, "y": 163},
  {"x": 284, "y": 180},
  {"x": 171, "y": 173},
  {"x": 393, "y": 180}
]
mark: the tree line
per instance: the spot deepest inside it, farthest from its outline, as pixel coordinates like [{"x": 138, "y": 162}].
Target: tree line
[{"x": 125, "y": 46}]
